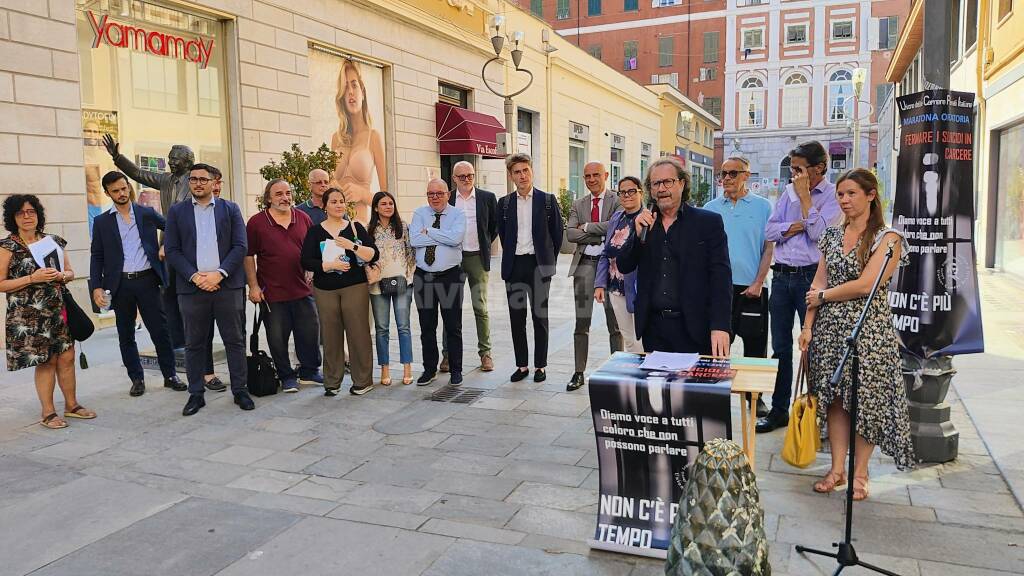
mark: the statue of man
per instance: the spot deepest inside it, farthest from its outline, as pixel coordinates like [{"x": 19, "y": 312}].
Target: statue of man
[{"x": 173, "y": 187}]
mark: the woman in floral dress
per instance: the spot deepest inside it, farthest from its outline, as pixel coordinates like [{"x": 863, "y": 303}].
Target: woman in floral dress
[
  {"x": 852, "y": 255},
  {"x": 37, "y": 333}
]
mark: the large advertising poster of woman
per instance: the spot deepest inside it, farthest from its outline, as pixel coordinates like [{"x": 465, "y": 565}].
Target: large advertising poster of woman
[{"x": 347, "y": 113}]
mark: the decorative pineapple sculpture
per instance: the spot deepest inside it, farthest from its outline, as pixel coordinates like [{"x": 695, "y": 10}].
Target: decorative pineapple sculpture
[{"x": 719, "y": 530}]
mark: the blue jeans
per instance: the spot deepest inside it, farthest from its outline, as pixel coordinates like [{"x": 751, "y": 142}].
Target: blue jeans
[
  {"x": 296, "y": 317},
  {"x": 788, "y": 296},
  {"x": 382, "y": 322}
]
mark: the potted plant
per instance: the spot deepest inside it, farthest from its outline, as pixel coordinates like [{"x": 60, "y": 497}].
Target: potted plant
[
  {"x": 565, "y": 200},
  {"x": 295, "y": 166}
]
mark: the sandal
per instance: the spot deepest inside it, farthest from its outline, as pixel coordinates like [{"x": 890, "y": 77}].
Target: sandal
[
  {"x": 831, "y": 482},
  {"x": 80, "y": 412},
  {"x": 407, "y": 377},
  {"x": 860, "y": 488},
  {"x": 385, "y": 376},
  {"x": 53, "y": 422}
]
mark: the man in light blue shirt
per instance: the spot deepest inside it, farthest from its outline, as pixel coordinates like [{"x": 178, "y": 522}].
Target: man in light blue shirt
[
  {"x": 436, "y": 232},
  {"x": 745, "y": 216}
]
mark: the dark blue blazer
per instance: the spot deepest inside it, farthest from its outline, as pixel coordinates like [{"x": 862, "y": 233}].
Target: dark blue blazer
[
  {"x": 704, "y": 272},
  {"x": 180, "y": 243},
  {"x": 547, "y": 232},
  {"x": 106, "y": 261}
]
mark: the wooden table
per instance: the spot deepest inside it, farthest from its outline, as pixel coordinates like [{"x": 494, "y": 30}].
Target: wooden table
[{"x": 756, "y": 379}]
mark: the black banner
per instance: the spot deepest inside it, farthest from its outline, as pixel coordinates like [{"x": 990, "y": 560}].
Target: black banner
[
  {"x": 650, "y": 427},
  {"x": 935, "y": 302}
]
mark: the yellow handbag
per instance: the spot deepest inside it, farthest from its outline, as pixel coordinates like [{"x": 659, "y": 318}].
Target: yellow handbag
[{"x": 802, "y": 442}]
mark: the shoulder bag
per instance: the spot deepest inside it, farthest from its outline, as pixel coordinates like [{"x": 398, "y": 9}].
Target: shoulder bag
[
  {"x": 262, "y": 375},
  {"x": 800, "y": 448}
]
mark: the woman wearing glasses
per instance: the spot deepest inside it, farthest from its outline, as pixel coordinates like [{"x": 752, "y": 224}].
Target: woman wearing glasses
[
  {"x": 37, "y": 332},
  {"x": 620, "y": 289},
  {"x": 336, "y": 252}
]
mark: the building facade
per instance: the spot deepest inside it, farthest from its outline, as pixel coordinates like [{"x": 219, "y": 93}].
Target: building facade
[
  {"x": 986, "y": 55},
  {"x": 675, "y": 42},
  {"x": 688, "y": 134},
  {"x": 789, "y": 77},
  {"x": 241, "y": 81}
]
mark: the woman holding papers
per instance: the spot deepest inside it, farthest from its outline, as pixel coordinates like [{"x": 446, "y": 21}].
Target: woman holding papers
[
  {"x": 33, "y": 271},
  {"x": 336, "y": 252}
]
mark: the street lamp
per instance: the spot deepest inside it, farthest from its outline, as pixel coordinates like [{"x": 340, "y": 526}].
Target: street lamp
[
  {"x": 859, "y": 76},
  {"x": 499, "y": 36}
]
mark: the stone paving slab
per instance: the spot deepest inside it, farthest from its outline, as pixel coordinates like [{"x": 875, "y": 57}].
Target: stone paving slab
[{"x": 195, "y": 537}]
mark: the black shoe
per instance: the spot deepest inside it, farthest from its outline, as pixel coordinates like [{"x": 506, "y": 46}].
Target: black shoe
[
  {"x": 762, "y": 408},
  {"x": 773, "y": 421},
  {"x": 519, "y": 375},
  {"x": 426, "y": 378},
  {"x": 215, "y": 385},
  {"x": 540, "y": 375},
  {"x": 138, "y": 388},
  {"x": 175, "y": 383},
  {"x": 576, "y": 383},
  {"x": 330, "y": 392},
  {"x": 195, "y": 402},
  {"x": 244, "y": 401},
  {"x": 456, "y": 379}
]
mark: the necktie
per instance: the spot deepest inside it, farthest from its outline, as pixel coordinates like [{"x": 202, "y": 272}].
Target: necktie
[
  {"x": 595, "y": 211},
  {"x": 432, "y": 250}
]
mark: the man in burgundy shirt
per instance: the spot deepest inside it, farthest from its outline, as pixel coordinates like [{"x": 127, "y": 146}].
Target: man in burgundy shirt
[{"x": 275, "y": 276}]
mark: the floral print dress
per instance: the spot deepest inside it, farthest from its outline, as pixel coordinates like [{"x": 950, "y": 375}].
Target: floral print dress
[
  {"x": 882, "y": 415},
  {"x": 397, "y": 257},
  {"x": 35, "y": 324}
]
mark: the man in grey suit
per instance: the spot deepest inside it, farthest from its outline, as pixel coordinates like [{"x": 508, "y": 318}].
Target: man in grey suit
[{"x": 588, "y": 223}]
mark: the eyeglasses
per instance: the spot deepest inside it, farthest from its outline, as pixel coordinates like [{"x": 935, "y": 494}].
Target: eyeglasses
[
  {"x": 29, "y": 213},
  {"x": 628, "y": 193},
  {"x": 465, "y": 177},
  {"x": 731, "y": 173},
  {"x": 666, "y": 183},
  {"x": 199, "y": 180},
  {"x": 435, "y": 194}
]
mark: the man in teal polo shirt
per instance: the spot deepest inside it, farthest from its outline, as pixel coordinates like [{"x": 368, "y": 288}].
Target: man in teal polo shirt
[{"x": 745, "y": 216}]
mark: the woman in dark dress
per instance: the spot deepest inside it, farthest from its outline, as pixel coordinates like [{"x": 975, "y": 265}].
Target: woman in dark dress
[
  {"x": 851, "y": 258},
  {"x": 37, "y": 332}
]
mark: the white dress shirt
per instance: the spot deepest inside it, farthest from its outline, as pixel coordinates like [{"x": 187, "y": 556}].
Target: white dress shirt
[
  {"x": 524, "y": 228},
  {"x": 471, "y": 243},
  {"x": 595, "y": 249}
]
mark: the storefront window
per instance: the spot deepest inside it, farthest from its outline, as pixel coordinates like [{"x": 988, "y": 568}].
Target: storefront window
[
  {"x": 1010, "y": 246},
  {"x": 152, "y": 77},
  {"x": 577, "y": 158}
]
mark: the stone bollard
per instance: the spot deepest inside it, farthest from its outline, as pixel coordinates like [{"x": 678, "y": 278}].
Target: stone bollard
[
  {"x": 927, "y": 382},
  {"x": 719, "y": 528}
]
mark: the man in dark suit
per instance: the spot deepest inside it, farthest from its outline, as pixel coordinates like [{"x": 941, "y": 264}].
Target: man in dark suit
[
  {"x": 588, "y": 224},
  {"x": 684, "y": 280},
  {"x": 530, "y": 228},
  {"x": 481, "y": 209},
  {"x": 206, "y": 246},
  {"x": 125, "y": 261}
]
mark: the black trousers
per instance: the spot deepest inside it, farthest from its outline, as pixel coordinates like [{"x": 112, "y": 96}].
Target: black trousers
[
  {"x": 750, "y": 321},
  {"x": 434, "y": 292},
  {"x": 209, "y": 340},
  {"x": 525, "y": 287},
  {"x": 175, "y": 325},
  {"x": 226, "y": 308},
  {"x": 141, "y": 296},
  {"x": 669, "y": 334}
]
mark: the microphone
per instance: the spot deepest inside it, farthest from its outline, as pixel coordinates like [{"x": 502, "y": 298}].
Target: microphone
[{"x": 653, "y": 207}]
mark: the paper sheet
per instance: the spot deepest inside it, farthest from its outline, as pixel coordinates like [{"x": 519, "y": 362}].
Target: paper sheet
[
  {"x": 47, "y": 253},
  {"x": 669, "y": 361}
]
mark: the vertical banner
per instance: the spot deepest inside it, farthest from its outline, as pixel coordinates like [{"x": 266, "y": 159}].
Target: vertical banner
[
  {"x": 650, "y": 427},
  {"x": 935, "y": 301},
  {"x": 95, "y": 124}
]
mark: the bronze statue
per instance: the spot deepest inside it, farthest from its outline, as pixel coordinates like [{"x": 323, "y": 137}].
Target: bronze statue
[{"x": 173, "y": 187}]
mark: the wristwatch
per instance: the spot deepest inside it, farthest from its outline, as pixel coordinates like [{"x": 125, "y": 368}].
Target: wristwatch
[{"x": 821, "y": 296}]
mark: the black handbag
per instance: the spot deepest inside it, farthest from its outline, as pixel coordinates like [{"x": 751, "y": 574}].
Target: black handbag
[
  {"x": 262, "y": 375},
  {"x": 80, "y": 326},
  {"x": 393, "y": 285}
]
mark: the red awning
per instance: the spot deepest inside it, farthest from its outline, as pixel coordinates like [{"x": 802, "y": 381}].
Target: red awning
[{"x": 461, "y": 131}]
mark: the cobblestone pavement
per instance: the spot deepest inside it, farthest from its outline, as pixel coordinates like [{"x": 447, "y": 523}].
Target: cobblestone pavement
[{"x": 391, "y": 484}]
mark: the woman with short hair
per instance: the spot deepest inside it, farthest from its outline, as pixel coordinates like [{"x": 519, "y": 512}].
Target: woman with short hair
[
  {"x": 37, "y": 330},
  {"x": 620, "y": 288}
]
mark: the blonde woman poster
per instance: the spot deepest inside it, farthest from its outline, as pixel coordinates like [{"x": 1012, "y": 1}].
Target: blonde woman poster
[{"x": 347, "y": 107}]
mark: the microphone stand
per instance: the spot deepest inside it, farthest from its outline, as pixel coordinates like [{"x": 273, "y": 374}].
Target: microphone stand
[{"x": 846, "y": 555}]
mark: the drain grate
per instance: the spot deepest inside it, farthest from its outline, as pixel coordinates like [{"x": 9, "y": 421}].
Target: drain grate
[{"x": 456, "y": 394}]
